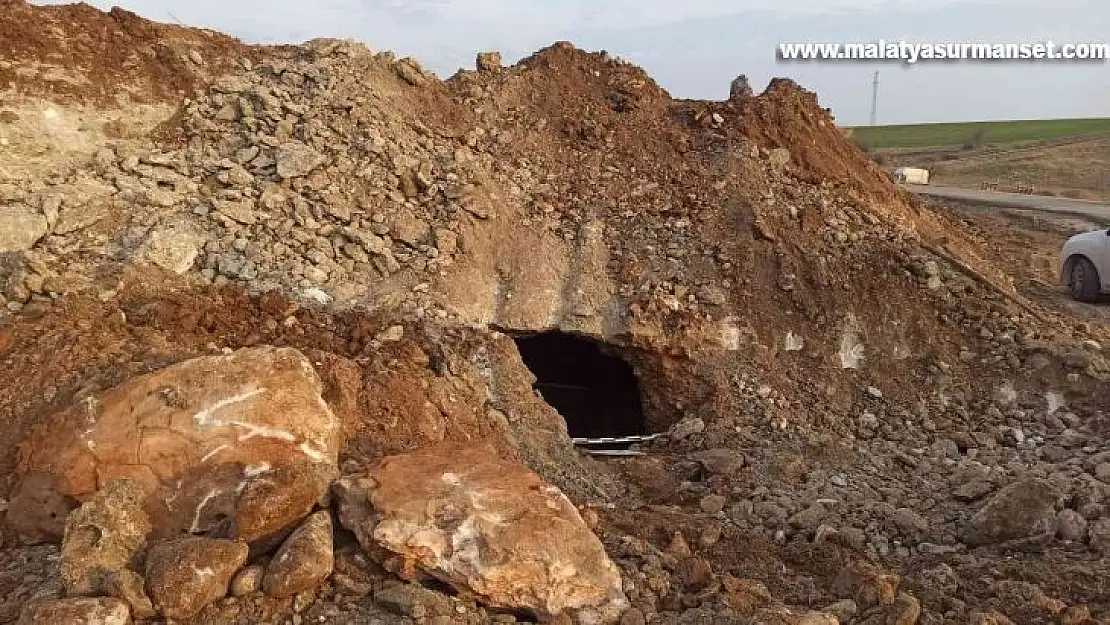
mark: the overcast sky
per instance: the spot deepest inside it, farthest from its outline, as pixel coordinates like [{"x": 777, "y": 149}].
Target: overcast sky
[{"x": 694, "y": 48}]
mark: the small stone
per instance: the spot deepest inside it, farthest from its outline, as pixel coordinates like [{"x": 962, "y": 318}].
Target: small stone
[
  {"x": 185, "y": 575},
  {"x": 905, "y": 611},
  {"x": 719, "y": 461},
  {"x": 745, "y": 595},
  {"x": 1102, "y": 472},
  {"x": 686, "y": 428},
  {"x": 679, "y": 548},
  {"x": 295, "y": 159},
  {"x": 247, "y": 581},
  {"x": 973, "y": 490},
  {"x": 410, "y": 71},
  {"x": 81, "y": 611},
  {"x": 1076, "y": 615},
  {"x": 844, "y": 610},
  {"x": 740, "y": 89},
  {"x": 408, "y": 229},
  {"x": 867, "y": 584},
  {"x": 910, "y": 522},
  {"x": 392, "y": 334},
  {"x": 988, "y": 618},
  {"x": 304, "y": 561},
  {"x": 488, "y": 61},
  {"x": 171, "y": 249},
  {"x": 712, "y": 504},
  {"x": 128, "y": 585},
  {"x": 1023, "y": 510},
  {"x": 1100, "y": 535},
  {"x": 446, "y": 241},
  {"x": 633, "y": 616},
  {"x": 874, "y": 392},
  {"x": 1070, "y": 526}
]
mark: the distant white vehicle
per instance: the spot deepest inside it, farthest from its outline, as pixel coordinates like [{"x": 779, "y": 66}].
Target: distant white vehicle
[
  {"x": 911, "y": 175},
  {"x": 1085, "y": 265}
]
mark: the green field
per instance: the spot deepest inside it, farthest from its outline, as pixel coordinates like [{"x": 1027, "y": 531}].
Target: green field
[{"x": 956, "y": 134}]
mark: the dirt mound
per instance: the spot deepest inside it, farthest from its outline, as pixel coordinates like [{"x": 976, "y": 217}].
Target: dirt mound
[
  {"x": 76, "y": 53},
  {"x": 841, "y": 378}
]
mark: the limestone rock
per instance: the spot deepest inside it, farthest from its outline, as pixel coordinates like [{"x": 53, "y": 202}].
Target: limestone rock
[
  {"x": 786, "y": 616},
  {"x": 102, "y": 537},
  {"x": 1100, "y": 535},
  {"x": 745, "y": 595},
  {"x": 905, "y": 611},
  {"x": 1022, "y": 510},
  {"x": 304, "y": 561},
  {"x": 20, "y": 228},
  {"x": 867, "y": 584},
  {"x": 719, "y": 461},
  {"x": 410, "y": 71},
  {"x": 490, "y": 528},
  {"x": 184, "y": 575},
  {"x": 241, "y": 443},
  {"x": 130, "y": 586},
  {"x": 247, "y": 581},
  {"x": 488, "y": 61},
  {"x": 989, "y": 618},
  {"x": 447, "y": 241},
  {"x": 295, "y": 159},
  {"x": 407, "y": 599},
  {"x": 740, "y": 89},
  {"x": 171, "y": 249},
  {"x": 409, "y": 229},
  {"x": 82, "y": 611}
]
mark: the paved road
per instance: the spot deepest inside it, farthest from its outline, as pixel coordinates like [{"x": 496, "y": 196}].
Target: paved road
[{"x": 1088, "y": 210}]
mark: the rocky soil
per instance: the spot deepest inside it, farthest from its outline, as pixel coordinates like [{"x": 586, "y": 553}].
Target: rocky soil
[{"x": 258, "y": 310}]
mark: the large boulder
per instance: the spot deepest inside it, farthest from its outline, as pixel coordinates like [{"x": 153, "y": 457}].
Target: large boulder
[
  {"x": 1021, "y": 514},
  {"x": 488, "y": 527},
  {"x": 239, "y": 446}
]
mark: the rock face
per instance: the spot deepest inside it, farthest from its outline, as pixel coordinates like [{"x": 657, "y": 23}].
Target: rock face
[
  {"x": 102, "y": 537},
  {"x": 304, "y": 561},
  {"x": 20, "y": 228},
  {"x": 491, "y": 528},
  {"x": 100, "y": 611},
  {"x": 184, "y": 575},
  {"x": 1023, "y": 511},
  {"x": 241, "y": 443}
]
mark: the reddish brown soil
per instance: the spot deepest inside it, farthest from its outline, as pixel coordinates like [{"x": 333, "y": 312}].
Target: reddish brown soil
[{"x": 109, "y": 54}]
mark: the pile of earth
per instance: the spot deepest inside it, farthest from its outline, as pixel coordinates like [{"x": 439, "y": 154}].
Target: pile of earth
[{"x": 862, "y": 419}]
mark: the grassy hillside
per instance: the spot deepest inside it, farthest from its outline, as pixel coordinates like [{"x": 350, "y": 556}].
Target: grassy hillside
[{"x": 977, "y": 133}]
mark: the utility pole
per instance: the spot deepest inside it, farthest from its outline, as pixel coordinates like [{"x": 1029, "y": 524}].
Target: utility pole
[{"x": 874, "y": 98}]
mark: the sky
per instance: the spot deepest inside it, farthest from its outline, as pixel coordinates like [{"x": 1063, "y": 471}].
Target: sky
[{"x": 694, "y": 48}]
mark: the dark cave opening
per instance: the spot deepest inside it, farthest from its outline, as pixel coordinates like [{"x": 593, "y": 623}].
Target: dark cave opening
[{"x": 595, "y": 391}]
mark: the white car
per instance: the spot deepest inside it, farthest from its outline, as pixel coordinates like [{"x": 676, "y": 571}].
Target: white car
[{"x": 1085, "y": 265}]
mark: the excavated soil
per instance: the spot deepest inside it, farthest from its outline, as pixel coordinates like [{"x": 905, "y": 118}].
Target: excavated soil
[{"x": 845, "y": 376}]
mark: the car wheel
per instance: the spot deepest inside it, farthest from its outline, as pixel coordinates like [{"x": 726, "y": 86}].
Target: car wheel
[{"x": 1083, "y": 280}]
